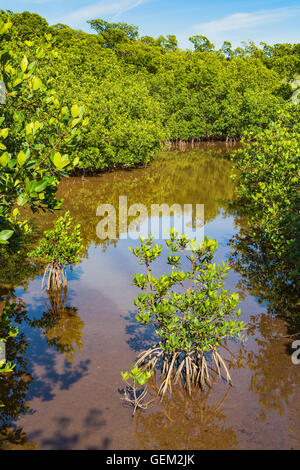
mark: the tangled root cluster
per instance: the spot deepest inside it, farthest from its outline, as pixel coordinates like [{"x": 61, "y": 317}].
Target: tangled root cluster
[
  {"x": 57, "y": 277},
  {"x": 189, "y": 366}
]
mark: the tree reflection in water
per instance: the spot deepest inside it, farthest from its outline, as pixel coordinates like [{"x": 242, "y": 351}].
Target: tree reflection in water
[
  {"x": 14, "y": 386},
  {"x": 60, "y": 323},
  {"x": 185, "y": 422},
  {"x": 189, "y": 422},
  {"x": 62, "y": 327},
  {"x": 266, "y": 277},
  {"x": 165, "y": 181},
  {"x": 274, "y": 377}
]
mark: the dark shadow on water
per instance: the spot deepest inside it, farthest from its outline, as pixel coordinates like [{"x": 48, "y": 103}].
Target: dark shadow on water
[
  {"x": 141, "y": 337},
  {"x": 42, "y": 387},
  {"x": 64, "y": 437}
]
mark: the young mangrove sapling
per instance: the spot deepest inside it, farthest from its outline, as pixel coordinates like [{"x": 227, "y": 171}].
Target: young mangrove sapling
[
  {"x": 189, "y": 308},
  {"x": 59, "y": 247}
]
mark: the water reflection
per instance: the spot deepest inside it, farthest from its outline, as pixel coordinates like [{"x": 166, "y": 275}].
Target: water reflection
[
  {"x": 274, "y": 378},
  {"x": 274, "y": 384},
  {"x": 265, "y": 277},
  {"x": 60, "y": 323},
  {"x": 15, "y": 439},
  {"x": 198, "y": 177},
  {"x": 15, "y": 385},
  {"x": 185, "y": 422},
  {"x": 62, "y": 327},
  {"x": 15, "y": 269}
]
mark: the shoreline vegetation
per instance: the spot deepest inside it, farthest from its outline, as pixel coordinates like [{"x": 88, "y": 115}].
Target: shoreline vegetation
[
  {"x": 180, "y": 146},
  {"x": 192, "y": 144}
]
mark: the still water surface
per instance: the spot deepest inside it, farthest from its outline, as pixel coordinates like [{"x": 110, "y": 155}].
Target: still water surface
[{"x": 70, "y": 363}]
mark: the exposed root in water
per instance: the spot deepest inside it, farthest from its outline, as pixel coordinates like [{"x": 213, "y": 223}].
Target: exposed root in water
[
  {"x": 136, "y": 399},
  {"x": 57, "y": 277},
  {"x": 194, "y": 143},
  {"x": 191, "y": 367}
]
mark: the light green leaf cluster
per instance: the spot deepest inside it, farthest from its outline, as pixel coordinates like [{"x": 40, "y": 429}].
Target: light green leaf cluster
[
  {"x": 189, "y": 308},
  {"x": 36, "y": 134},
  {"x": 62, "y": 244}
]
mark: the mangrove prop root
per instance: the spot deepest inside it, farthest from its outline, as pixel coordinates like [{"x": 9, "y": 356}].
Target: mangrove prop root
[
  {"x": 57, "y": 277},
  {"x": 189, "y": 366}
]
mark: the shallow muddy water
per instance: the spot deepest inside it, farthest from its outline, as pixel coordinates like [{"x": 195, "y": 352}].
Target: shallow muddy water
[{"x": 67, "y": 391}]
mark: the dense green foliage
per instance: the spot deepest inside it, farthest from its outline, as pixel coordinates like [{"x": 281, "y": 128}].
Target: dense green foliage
[
  {"x": 140, "y": 91},
  {"x": 34, "y": 127},
  {"x": 268, "y": 182}
]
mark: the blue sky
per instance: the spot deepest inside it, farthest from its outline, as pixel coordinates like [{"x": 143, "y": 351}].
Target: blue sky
[{"x": 270, "y": 21}]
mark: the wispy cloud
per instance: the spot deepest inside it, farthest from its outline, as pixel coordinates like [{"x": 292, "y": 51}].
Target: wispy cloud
[
  {"x": 238, "y": 21},
  {"x": 103, "y": 8}
]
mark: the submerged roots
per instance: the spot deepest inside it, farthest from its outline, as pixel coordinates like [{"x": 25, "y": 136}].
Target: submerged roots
[
  {"x": 137, "y": 399},
  {"x": 57, "y": 277},
  {"x": 191, "y": 367}
]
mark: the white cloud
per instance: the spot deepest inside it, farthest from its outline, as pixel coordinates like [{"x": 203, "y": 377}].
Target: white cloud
[
  {"x": 103, "y": 8},
  {"x": 238, "y": 21}
]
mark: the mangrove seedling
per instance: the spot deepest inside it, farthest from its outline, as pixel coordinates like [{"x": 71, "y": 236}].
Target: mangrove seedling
[
  {"x": 60, "y": 246},
  {"x": 137, "y": 388},
  {"x": 189, "y": 308}
]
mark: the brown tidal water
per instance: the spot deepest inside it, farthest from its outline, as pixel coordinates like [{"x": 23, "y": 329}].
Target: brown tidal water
[{"x": 67, "y": 391}]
